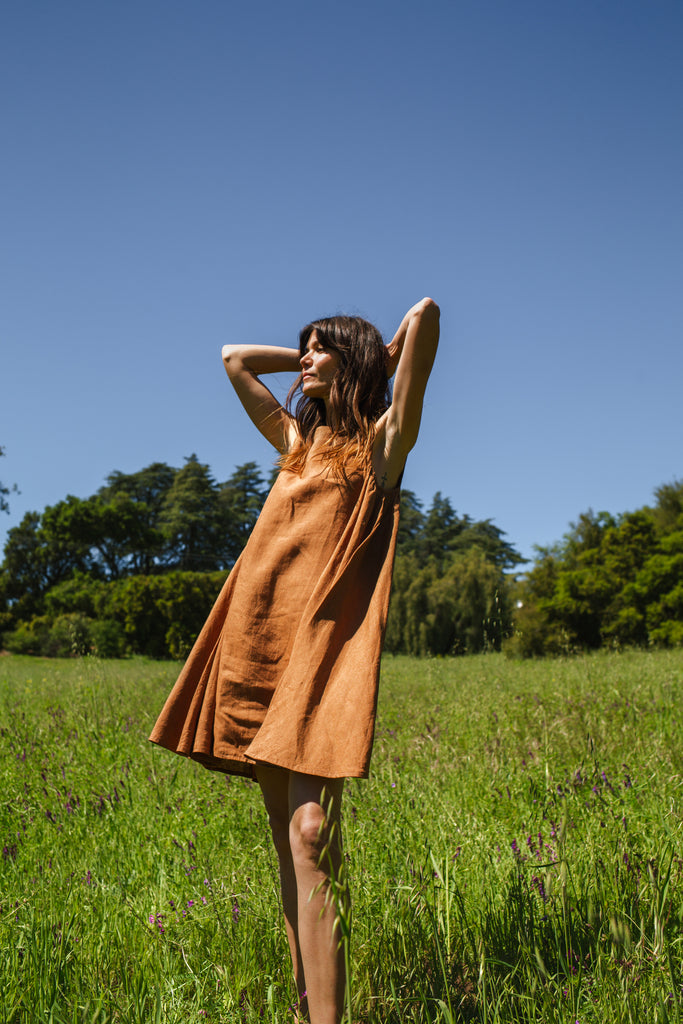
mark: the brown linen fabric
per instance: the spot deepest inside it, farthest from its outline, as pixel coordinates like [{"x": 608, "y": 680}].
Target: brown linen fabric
[{"x": 286, "y": 668}]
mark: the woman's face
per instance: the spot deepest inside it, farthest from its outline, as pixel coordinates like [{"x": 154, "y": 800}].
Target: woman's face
[{"x": 318, "y": 368}]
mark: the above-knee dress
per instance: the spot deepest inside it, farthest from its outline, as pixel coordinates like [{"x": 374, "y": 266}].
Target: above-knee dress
[{"x": 286, "y": 669}]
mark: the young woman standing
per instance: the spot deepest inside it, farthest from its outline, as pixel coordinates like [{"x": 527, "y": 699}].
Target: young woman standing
[{"x": 281, "y": 684}]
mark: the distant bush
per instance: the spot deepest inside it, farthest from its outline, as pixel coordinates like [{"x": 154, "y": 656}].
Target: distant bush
[
  {"x": 29, "y": 637},
  {"x": 157, "y": 616},
  {"x": 107, "y": 639},
  {"x": 161, "y": 616},
  {"x": 70, "y": 635}
]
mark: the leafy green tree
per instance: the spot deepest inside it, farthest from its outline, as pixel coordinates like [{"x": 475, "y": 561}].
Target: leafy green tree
[
  {"x": 405, "y": 569},
  {"x": 414, "y": 638},
  {"x": 41, "y": 552},
  {"x": 585, "y": 535},
  {"x": 411, "y": 522},
  {"x": 440, "y": 529},
  {"x": 460, "y": 607},
  {"x": 23, "y": 570},
  {"x": 613, "y": 580},
  {"x": 148, "y": 486},
  {"x": 441, "y": 532},
  {"x": 99, "y": 534},
  {"x": 593, "y": 597},
  {"x": 488, "y": 539},
  {"x": 80, "y": 593},
  {"x": 122, "y": 535},
  {"x": 566, "y": 593},
  {"x": 469, "y": 606},
  {"x": 162, "y": 615},
  {"x": 139, "y": 523},
  {"x": 146, "y": 490},
  {"x": 626, "y": 547},
  {"x": 656, "y": 595},
  {"x": 189, "y": 518},
  {"x": 101, "y": 539},
  {"x": 534, "y": 633},
  {"x": 437, "y": 553},
  {"x": 668, "y": 509},
  {"x": 239, "y": 503}
]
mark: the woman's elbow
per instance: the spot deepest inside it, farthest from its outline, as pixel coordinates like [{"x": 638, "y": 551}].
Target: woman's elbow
[
  {"x": 230, "y": 358},
  {"x": 429, "y": 309},
  {"x": 428, "y": 330}
]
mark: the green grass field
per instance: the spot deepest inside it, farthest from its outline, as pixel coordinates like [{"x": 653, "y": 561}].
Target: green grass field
[{"x": 516, "y": 855}]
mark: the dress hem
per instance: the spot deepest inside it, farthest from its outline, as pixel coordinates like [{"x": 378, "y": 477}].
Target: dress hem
[{"x": 246, "y": 768}]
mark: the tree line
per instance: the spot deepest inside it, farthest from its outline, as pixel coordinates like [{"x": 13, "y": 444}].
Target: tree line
[{"x": 136, "y": 567}]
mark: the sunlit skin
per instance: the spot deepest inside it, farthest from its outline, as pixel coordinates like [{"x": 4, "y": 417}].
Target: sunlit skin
[{"x": 319, "y": 366}]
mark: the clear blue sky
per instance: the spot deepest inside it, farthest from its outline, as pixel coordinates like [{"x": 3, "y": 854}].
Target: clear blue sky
[{"x": 178, "y": 175}]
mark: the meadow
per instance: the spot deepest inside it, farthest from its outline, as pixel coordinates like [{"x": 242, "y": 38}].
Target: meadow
[{"x": 515, "y": 856}]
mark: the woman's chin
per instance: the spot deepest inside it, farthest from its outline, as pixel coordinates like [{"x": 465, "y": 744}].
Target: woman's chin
[{"x": 312, "y": 389}]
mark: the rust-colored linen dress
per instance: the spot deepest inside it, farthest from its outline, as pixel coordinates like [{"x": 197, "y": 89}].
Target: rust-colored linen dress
[{"x": 286, "y": 668}]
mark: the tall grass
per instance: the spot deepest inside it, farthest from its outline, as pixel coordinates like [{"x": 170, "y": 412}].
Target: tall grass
[{"x": 516, "y": 855}]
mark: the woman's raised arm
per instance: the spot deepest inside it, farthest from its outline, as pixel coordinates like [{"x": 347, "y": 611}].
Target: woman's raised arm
[
  {"x": 244, "y": 364},
  {"x": 411, "y": 354}
]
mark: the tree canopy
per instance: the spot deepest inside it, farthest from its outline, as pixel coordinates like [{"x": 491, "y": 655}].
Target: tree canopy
[
  {"x": 450, "y": 588},
  {"x": 612, "y": 580}
]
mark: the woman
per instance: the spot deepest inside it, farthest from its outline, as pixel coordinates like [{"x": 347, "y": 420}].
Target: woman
[{"x": 282, "y": 682}]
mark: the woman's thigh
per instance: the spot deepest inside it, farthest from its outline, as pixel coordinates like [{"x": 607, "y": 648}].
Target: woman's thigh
[
  {"x": 274, "y": 783},
  {"x": 307, "y": 805},
  {"x": 315, "y": 793}
]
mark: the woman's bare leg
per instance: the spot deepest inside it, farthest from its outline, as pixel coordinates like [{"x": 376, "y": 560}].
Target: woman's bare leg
[
  {"x": 315, "y": 843},
  {"x": 274, "y": 783}
]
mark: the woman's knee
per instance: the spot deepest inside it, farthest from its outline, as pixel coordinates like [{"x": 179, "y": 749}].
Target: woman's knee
[{"x": 313, "y": 838}]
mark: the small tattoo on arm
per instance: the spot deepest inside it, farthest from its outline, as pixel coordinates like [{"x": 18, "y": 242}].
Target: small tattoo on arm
[{"x": 383, "y": 481}]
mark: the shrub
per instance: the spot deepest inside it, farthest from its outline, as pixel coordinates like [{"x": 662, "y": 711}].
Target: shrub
[
  {"x": 107, "y": 639},
  {"x": 69, "y": 636},
  {"x": 29, "y": 637}
]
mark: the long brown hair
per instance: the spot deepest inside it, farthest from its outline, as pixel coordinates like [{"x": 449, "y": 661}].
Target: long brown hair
[{"x": 358, "y": 396}]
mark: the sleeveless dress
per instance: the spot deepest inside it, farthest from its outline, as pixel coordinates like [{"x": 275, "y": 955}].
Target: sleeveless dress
[{"x": 286, "y": 668}]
